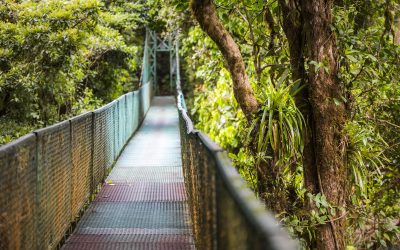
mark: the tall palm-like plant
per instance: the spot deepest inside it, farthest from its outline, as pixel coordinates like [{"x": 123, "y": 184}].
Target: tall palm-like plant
[
  {"x": 276, "y": 138},
  {"x": 280, "y": 125}
]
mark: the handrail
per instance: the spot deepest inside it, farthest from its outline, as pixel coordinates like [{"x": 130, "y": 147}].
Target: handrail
[
  {"x": 208, "y": 169},
  {"x": 47, "y": 176}
]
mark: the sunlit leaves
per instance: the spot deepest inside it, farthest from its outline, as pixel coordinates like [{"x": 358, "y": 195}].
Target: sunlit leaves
[
  {"x": 57, "y": 54},
  {"x": 280, "y": 125},
  {"x": 369, "y": 66}
]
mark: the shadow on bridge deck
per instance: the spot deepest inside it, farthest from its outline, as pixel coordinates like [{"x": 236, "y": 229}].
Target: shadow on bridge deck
[{"x": 143, "y": 203}]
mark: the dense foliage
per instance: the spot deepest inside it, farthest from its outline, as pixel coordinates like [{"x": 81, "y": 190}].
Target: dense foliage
[
  {"x": 60, "y": 58},
  {"x": 369, "y": 66}
]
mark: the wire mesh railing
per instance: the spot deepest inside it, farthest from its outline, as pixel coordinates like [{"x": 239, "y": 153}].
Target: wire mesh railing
[
  {"x": 225, "y": 213},
  {"x": 47, "y": 176}
]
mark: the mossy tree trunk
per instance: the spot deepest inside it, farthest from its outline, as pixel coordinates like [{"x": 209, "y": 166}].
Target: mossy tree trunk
[
  {"x": 267, "y": 174},
  {"x": 307, "y": 27},
  {"x": 330, "y": 113},
  {"x": 309, "y": 35},
  {"x": 292, "y": 24}
]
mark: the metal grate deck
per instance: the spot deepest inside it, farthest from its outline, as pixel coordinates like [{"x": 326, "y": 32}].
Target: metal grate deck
[
  {"x": 143, "y": 203},
  {"x": 143, "y": 191}
]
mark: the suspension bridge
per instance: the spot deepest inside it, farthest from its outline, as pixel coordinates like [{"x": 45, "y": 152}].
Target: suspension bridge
[{"x": 134, "y": 174}]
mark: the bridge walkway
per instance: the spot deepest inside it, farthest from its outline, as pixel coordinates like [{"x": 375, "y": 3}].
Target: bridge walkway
[{"x": 143, "y": 203}]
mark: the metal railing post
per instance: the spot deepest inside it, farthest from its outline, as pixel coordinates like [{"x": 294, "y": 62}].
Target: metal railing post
[{"x": 91, "y": 175}]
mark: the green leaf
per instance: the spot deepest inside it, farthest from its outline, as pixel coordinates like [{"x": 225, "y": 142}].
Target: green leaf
[
  {"x": 352, "y": 58},
  {"x": 337, "y": 101}
]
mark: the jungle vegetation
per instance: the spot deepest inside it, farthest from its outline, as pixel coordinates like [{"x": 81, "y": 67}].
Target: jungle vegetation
[
  {"x": 304, "y": 95},
  {"x": 61, "y": 58}
]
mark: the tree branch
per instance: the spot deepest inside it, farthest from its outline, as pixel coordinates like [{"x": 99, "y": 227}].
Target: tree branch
[{"x": 205, "y": 13}]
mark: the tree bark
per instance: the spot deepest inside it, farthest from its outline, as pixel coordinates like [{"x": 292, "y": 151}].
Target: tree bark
[
  {"x": 292, "y": 24},
  {"x": 310, "y": 37},
  {"x": 363, "y": 16},
  {"x": 205, "y": 13},
  {"x": 329, "y": 116},
  {"x": 397, "y": 36},
  {"x": 267, "y": 175},
  {"x": 269, "y": 20}
]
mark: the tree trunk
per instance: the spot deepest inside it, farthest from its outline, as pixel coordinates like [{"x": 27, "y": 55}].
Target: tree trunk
[
  {"x": 267, "y": 175},
  {"x": 324, "y": 156},
  {"x": 292, "y": 25},
  {"x": 363, "y": 16},
  {"x": 270, "y": 185},
  {"x": 205, "y": 13},
  {"x": 329, "y": 116},
  {"x": 397, "y": 36}
]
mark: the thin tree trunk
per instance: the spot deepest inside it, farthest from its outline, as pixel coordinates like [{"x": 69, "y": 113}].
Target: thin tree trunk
[
  {"x": 397, "y": 36},
  {"x": 293, "y": 27},
  {"x": 269, "y": 20},
  {"x": 363, "y": 16},
  {"x": 329, "y": 116},
  {"x": 205, "y": 13},
  {"x": 267, "y": 175},
  {"x": 292, "y": 24}
]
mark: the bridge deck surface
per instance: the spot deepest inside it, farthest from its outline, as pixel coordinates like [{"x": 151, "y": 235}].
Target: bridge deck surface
[{"x": 143, "y": 203}]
